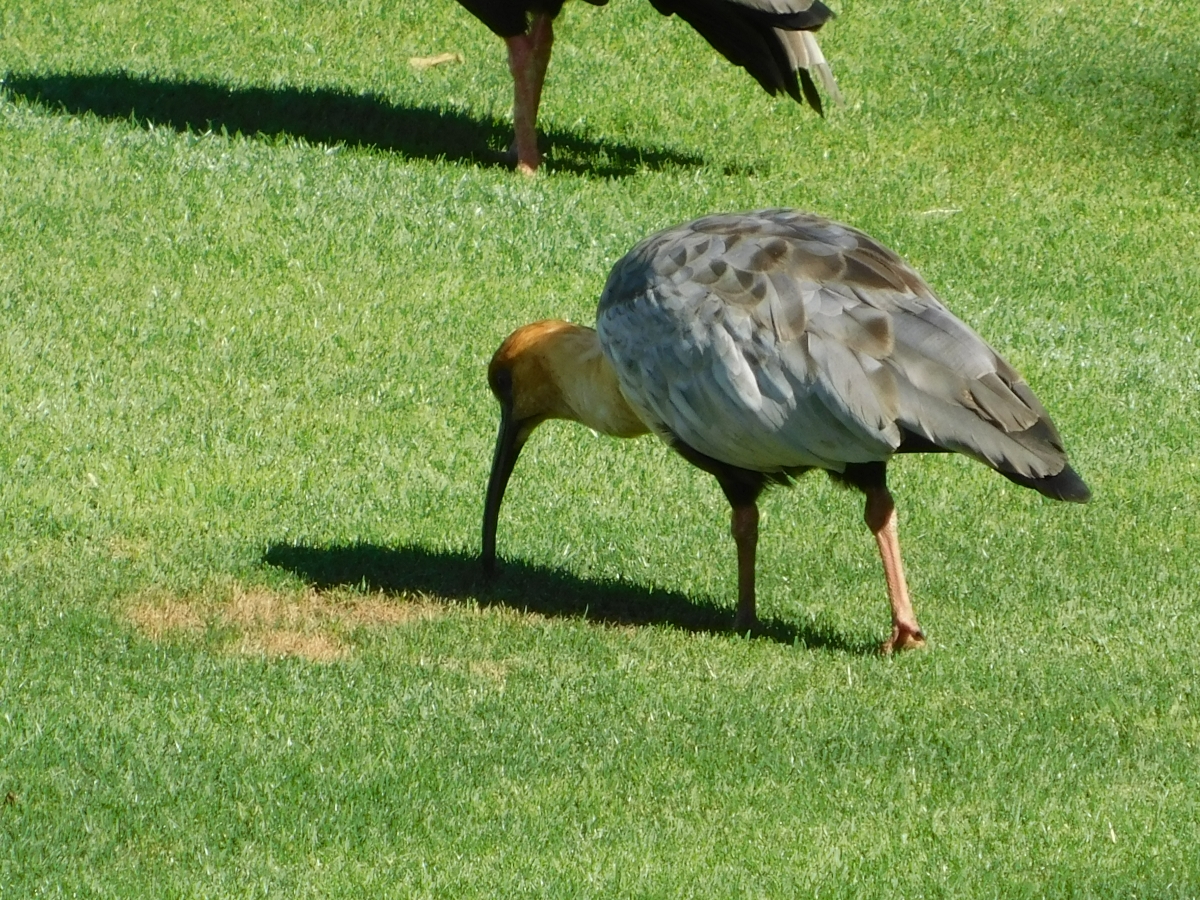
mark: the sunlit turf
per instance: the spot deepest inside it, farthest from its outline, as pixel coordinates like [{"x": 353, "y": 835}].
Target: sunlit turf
[{"x": 252, "y": 267}]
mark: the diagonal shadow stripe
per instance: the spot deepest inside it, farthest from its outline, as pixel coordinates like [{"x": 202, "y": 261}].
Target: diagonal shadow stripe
[
  {"x": 322, "y": 116},
  {"x": 456, "y": 576}
]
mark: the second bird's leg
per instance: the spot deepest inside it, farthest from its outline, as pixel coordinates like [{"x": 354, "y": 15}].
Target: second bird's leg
[
  {"x": 745, "y": 534},
  {"x": 528, "y": 58},
  {"x": 880, "y": 514}
]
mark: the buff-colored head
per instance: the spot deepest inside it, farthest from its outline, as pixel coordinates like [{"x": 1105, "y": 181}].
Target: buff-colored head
[
  {"x": 556, "y": 370},
  {"x": 524, "y": 373}
]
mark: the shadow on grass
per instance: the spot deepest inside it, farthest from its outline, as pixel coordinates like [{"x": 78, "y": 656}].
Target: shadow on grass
[
  {"x": 456, "y": 577},
  {"x": 322, "y": 116}
]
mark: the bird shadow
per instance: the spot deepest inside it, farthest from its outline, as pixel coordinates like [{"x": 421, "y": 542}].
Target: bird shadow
[
  {"x": 322, "y": 116},
  {"x": 457, "y": 577}
]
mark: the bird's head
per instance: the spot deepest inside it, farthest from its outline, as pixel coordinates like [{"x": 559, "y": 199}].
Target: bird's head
[
  {"x": 548, "y": 370},
  {"x": 525, "y": 373}
]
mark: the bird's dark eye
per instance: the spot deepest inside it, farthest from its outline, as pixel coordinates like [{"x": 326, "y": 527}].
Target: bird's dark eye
[{"x": 502, "y": 384}]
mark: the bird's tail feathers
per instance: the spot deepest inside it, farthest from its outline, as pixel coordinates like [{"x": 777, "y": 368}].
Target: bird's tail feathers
[
  {"x": 1066, "y": 485},
  {"x": 1026, "y": 451},
  {"x": 805, "y": 54}
]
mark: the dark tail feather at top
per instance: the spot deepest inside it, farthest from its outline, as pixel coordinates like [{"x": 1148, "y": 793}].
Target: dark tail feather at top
[
  {"x": 766, "y": 44},
  {"x": 1066, "y": 485},
  {"x": 810, "y": 91}
]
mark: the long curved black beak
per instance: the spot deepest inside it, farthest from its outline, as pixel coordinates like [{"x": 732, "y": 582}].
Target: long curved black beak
[{"x": 508, "y": 447}]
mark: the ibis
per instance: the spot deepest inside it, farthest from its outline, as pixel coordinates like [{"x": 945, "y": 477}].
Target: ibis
[
  {"x": 765, "y": 344},
  {"x": 770, "y": 39}
]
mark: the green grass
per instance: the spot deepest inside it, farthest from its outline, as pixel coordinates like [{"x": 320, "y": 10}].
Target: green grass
[{"x": 252, "y": 267}]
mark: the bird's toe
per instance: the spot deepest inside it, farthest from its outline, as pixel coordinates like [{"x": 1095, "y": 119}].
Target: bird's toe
[
  {"x": 527, "y": 164},
  {"x": 903, "y": 637}
]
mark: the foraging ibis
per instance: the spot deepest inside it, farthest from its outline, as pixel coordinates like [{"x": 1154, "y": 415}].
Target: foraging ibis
[
  {"x": 770, "y": 39},
  {"x": 765, "y": 344}
]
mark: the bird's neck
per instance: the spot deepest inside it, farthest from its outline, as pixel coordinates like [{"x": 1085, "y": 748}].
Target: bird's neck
[{"x": 587, "y": 385}]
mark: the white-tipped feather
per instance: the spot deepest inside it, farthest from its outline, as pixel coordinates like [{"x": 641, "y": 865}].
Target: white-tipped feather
[{"x": 813, "y": 59}]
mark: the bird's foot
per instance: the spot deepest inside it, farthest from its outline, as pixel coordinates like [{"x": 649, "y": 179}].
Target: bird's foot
[
  {"x": 746, "y": 624},
  {"x": 528, "y": 165},
  {"x": 904, "y": 637}
]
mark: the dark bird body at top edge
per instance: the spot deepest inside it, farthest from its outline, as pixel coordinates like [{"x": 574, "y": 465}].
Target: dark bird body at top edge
[
  {"x": 770, "y": 39},
  {"x": 764, "y": 344}
]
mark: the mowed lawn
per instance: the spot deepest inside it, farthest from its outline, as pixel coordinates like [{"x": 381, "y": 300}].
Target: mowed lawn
[{"x": 252, "y": 267}]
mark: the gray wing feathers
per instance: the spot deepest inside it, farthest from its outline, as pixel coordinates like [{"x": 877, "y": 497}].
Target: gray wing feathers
[
  {"x": 959, "y": 393},
  {"x": 778, "y": 340}
]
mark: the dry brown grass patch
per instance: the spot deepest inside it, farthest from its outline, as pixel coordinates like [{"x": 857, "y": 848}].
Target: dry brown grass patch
[
  {"x": 256, "y": 620},
  {"x": 315, "y": 646},
  {"x": 161, "y": 618},
  {"x": 377, "y": 611},
  {"x": 493, "y": 670}
]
